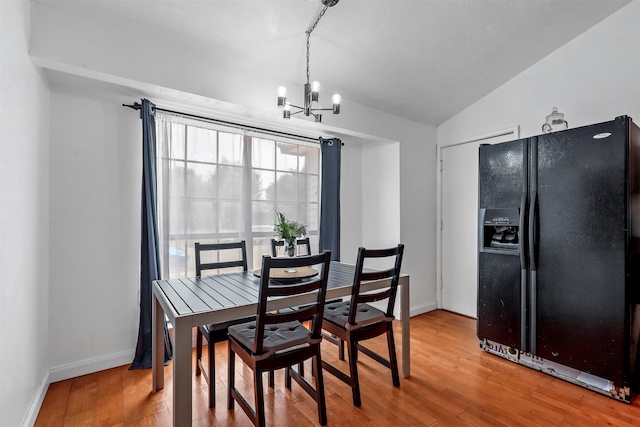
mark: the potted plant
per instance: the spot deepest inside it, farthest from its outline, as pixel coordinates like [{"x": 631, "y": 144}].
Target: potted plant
[{"x": 288, "y": 231}]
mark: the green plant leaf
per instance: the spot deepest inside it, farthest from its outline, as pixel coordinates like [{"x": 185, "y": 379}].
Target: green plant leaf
[{"x": 288, "y": 230}]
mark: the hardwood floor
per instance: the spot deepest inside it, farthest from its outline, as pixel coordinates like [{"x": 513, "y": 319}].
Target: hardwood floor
[{"x": 452, "y": 383}]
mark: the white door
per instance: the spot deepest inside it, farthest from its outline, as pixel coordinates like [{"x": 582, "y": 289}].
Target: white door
[{"x": 459, "y": 214}]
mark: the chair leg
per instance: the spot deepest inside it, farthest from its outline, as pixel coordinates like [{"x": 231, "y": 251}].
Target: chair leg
[
  {"x": 198, "y": 351},
  {"x": 393, "y": 360},
  {"x": 320, "y": 399},
  {"x": 341, "y": 349},
  {"x": 231, "y": 378},
  {"x": 353, "y": 368},
  {"x": 272, "y": 379},
  {"x": 301, "y": 369},
  {"x": 212, "y": 373},
  {"x": 257, "y": 383},
  {"x": 287, "y": 377}
]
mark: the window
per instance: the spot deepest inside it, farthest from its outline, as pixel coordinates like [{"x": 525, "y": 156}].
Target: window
[{"x": 220, "y": 184}]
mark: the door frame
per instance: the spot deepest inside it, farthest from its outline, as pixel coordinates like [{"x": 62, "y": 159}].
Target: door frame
[{"x": 513, "y": 131}]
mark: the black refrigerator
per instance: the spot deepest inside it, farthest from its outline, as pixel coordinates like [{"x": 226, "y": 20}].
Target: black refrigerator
[{"x": 558, "y": 254}]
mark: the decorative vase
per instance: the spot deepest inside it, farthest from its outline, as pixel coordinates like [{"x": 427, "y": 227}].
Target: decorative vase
[
  {"x": 555, "y": 122},
  {"x": 290, "y": 248},
  {"x": 290, "y": 251}
]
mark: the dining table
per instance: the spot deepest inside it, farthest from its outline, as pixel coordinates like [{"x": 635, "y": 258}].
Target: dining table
[{"x": 192, "y": 301}]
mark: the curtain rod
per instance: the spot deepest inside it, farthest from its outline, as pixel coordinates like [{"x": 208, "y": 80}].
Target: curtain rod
[{"x": 138, "y": 106}]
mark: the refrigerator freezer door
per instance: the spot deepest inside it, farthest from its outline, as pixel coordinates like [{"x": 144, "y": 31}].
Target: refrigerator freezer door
[
  {"x": 502, "y": 188},
  {"x": 580, "y": 313}
]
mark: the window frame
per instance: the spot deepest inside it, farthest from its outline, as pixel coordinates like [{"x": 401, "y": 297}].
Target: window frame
[{"x": 258, "y": 241}]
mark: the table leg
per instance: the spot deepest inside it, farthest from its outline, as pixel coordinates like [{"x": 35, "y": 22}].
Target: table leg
[
  {"x": 157, "y": 345},
  {"x": 406, "y": 332},
  {"x": 182, "y": 398}
]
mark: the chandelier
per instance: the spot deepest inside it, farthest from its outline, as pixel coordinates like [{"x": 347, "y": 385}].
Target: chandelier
[{"x": 311, "y": 90}]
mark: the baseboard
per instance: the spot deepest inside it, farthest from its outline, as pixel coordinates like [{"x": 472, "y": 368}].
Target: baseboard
[
  {"x": 72, "y": 370},
  {"x": 415, "y": 311},
  {"x": 90, "y": 366},
  {"x": 36, "y": 403}
]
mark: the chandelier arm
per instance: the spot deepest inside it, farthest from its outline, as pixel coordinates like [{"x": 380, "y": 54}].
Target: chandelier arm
[{"x": 321, "y": 109}]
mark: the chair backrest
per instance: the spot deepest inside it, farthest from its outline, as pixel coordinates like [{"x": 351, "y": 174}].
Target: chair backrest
[
  {"x": 270, "y": 288},
  {"x": 393, "y": 274},
  {"x": 275, "y": 244},
  {"x": 217, "y": 247}
]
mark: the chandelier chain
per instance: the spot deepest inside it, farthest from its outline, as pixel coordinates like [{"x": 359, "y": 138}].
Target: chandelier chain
[
  {"x": 311, "y": 90},
  {"x": 311, "y": 28}
]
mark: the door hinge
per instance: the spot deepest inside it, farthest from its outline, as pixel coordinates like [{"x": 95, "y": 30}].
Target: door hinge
[
  {"x": 441, "y": 165},
  {"x": 441, "y": 224}
]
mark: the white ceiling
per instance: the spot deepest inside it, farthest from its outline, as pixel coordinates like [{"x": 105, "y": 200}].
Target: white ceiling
[{"x": 425, "y": 60}]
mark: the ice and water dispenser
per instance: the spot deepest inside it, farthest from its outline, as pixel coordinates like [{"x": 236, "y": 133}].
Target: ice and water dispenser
[{"x": 499, "y": 230}]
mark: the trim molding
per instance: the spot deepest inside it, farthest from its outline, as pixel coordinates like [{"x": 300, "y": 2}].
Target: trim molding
[
  {"x": 415, "y": 311},
  {"x": 73, "y": 370},
  {"x": 89, "y": 366},
  {"x": 36, "y": 402}
]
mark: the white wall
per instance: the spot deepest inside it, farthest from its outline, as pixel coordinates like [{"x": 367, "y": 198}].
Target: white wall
[
  {"x": 417, "y": 191},
  {"x": 591, "y": 79},
  {"x": 95, "y": 181},
  {"x": 95, "y": 185},
  {"x": 350, "y": 201},
  {"x": 381, "y": 197},
  {"x": 24, "y": 221}
]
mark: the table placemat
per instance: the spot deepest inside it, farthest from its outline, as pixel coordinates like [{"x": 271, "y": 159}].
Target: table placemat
[{"x": 280, "y": 273}]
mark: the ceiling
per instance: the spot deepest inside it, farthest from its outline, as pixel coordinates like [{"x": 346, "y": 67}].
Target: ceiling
[{"x": 425, "y": 60}]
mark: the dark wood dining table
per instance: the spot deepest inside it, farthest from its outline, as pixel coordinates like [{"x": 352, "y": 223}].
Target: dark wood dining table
[{"x": 193, "y": 301}]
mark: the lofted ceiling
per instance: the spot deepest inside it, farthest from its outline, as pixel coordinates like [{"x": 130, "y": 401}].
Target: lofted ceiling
[{"x": 425, "y": 60}]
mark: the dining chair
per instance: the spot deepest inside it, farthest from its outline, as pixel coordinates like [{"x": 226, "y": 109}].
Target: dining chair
[
  {"x": 278, "y": 339},
  {"x": 304, "y": 243},
  {"x": 355, "y": 320},
  {"x": 216, "y": 332},
  {"x": 300, "y": 243}
]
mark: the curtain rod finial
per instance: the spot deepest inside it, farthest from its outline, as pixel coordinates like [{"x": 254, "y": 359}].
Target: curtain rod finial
[{"x": 135, "y": 106}]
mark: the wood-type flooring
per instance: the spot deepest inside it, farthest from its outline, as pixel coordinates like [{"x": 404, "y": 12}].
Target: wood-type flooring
[{"x": 452, "y": 383}]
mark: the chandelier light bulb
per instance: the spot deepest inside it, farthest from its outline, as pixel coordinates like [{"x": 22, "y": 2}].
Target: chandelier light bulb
[
  {"x": 336, "y": 103},
  {"x": 315, "y": 86},
  {"x": 282, "y": 96}
]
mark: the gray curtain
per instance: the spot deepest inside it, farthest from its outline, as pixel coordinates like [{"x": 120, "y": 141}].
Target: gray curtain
[
  {"x": 149, "y": 248},
  {"x": 330, "y": 197}
]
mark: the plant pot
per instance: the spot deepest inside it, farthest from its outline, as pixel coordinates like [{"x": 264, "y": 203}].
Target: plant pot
[{"x": 290, "y": 251}]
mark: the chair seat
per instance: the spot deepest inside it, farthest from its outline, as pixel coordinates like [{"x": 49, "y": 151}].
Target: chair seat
[
  {"x": 277, "y": 337},
  {"x": 218, "y": 332},
  {"x": 302, "y": 307},
  {"x": 225, "y": 325},
  {"x": 338, "y": 313}
]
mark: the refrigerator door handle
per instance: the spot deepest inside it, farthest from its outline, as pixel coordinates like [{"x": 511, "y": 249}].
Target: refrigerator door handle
[
  {"x": 532, "y": 230},
  {"x": 523, "y": 273},
  {"x": 533, "y": 300},
  {"x": 521, "y": 240}
]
